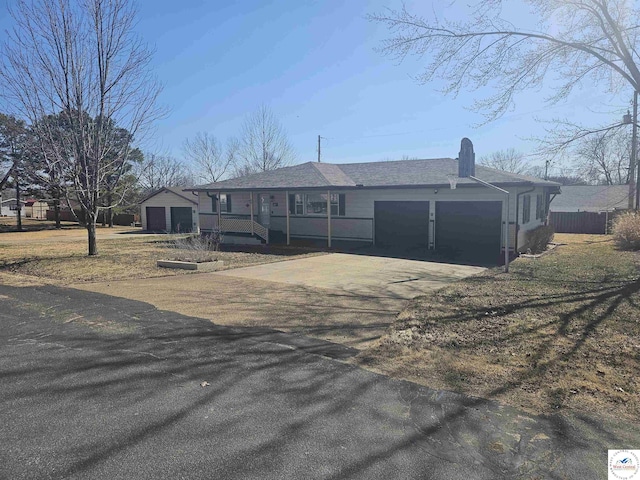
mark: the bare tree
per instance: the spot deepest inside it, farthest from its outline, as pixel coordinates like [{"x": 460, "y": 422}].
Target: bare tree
[
  {"x": 157, "y": 171},
  {"x": 567, "y": 142},
  {"x": 81, "y": 60},
  {"x": 12, "y": 131},
  {"x": 263, "y": 144},
  {"x": 603, "y": 158},
  {"x": 509, "y": 160},
  {"x": 14, "y": 146},
  {"x": 211, "y": 160},
  {"x": 574, "y": 40}
]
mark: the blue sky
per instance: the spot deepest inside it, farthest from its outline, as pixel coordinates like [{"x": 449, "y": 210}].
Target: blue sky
[{"x": 314, "y": 64}]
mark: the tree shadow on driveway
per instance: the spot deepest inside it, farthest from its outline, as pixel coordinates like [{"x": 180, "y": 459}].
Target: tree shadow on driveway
[{"x": 95, "y": 386}]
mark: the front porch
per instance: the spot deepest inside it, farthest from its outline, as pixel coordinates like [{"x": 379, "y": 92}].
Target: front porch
[{"x": 269, "y": 215}]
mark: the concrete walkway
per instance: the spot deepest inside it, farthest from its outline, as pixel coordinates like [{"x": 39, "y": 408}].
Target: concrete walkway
[{"x": 98, "y": 387}]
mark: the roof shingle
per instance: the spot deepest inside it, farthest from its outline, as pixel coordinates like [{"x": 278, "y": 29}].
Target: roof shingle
[
  {"x": 401, "y": 173},
  {"x": 591, "y": 198}
]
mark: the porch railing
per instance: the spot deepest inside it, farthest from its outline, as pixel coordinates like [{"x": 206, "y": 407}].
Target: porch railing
[{"x": 239, "y": 225}]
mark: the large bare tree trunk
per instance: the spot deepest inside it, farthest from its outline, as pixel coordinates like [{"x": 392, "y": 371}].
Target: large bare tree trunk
[
  {"x": 19, "y": 210},
  {"x": 110, "y": 210},
  {"x": 56, "y": 213},
  {"x": 91, "y": 234}
]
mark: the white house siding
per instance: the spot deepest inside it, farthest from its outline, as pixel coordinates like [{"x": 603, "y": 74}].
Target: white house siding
[
  {"x": 533, "y": 221},
  {"x": 7, "y": 211},
  {"x": 167, "y": 200}
]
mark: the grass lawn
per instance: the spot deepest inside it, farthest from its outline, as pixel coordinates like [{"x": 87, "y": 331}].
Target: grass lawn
[
  {"x": 9, "y": 224},
  {"x": 60, "y": 256},
  {"x": 558, "y": 333}
]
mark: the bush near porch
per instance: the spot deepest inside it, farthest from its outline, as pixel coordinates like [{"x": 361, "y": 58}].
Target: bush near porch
[{"x": 557, "y": 333}]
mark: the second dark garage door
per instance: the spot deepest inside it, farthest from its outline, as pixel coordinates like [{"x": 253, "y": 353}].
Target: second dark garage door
[
  {"x": 181, "y": 219},
  {"x": 469, "y": 231},
  {"x": 402, "y": 225}
]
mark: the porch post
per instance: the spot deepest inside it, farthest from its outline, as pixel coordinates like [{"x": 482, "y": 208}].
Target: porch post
[
  {"x": 329, "y": 218},
  {"x": 251, "y": 202},
  {"x": 286, "y": 193},
  {"x": 218, "y": 209}
]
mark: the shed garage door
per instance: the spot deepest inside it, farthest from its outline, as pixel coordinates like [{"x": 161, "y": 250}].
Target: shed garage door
[
  {"x": 403, "y": 225},
  {"x": 469, "y": 231},
  {"x": 181, "y": 219},
  {"x": 156, "y": 220}
]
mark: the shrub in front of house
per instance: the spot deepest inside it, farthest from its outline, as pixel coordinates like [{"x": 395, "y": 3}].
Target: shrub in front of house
[
  {"x": 539, "y": 238},
  {"x": 198, "y": 248},
  {"x": 626, "y": 231}
]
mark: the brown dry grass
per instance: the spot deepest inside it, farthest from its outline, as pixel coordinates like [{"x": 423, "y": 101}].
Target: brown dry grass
[
  {"x": 558, "y": 333},
  {"x": 9, "y": 224},
  {"x": 60, "y": 257}
]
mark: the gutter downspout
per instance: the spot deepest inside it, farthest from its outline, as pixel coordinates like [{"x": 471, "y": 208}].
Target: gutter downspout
[
  {"x": 506, "y": 223},
  {"x": 517, "y": 211}
]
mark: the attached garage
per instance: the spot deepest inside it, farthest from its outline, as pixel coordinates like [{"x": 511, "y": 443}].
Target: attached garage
[
  {"x": 401, "y": 224},
  {"x": 170, "y": 209},
  {"x": 469, "y": 231}
]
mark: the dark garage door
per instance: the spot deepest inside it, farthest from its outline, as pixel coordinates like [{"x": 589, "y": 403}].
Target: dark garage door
[
  {"x": 402, "y": 225},
  {"x": 181, "y": 219},
  {"x": 469, "y": 231},
  {"x": 156, "y": 220}
]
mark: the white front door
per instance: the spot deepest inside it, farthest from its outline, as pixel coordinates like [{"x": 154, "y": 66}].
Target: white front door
[{"x": 264, "y": 212}]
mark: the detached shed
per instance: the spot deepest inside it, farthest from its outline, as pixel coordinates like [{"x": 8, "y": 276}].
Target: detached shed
[
  {"x": 170, "y": 209},
  {"x": 36, "y": 209}
]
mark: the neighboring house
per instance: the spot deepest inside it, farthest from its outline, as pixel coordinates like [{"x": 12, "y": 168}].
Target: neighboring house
[
  {"x": 170, "y": 209},
  {"x": 407, "y": 204},
  {"x": 9, "y": 208},
  {"x": 36, "y": 209},
  {"x": 591, "y": 198},
  {"x": 587, "y": 208}
]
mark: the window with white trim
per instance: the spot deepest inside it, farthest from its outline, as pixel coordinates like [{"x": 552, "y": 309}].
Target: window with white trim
[
  {"x": 316, "y": 204},
  {"x": 224, "y": 201},
  {"x": 298, "y": 206},
  {"x": 526, "y": 208}
]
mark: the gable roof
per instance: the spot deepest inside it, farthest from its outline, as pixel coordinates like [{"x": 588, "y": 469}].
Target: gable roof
[
  {"x": 179, "y": 191},
  {"x": 591, "y": 198},
  {"x": 400, "y": 173}
]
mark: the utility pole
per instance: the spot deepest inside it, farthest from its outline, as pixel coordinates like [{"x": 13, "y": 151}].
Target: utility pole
[
  {"x": 319, "y": 137},
  {"x": 546, "y": 169},
  {"x": 633, "y": 193},
  {"x": 634, "y": 146}
]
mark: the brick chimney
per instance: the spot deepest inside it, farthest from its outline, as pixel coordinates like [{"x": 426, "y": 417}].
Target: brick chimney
[{"x": 466, "y": 159}]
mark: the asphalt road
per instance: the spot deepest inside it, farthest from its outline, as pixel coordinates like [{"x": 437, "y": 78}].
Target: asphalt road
[{"x": 99, "y": 387}]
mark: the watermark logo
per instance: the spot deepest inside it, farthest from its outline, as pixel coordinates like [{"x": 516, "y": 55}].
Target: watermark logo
[{"x": 624, "y": 465}]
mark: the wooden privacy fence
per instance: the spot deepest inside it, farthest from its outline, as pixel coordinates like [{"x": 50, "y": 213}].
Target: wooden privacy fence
[
  {"x": 582, "y": 222},
  {"x": 124, "y": 219}
]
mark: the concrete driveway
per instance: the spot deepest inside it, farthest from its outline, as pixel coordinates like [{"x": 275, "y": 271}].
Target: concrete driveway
[
  {"x": 344, "y": 298},
  {"x": 360, "y": 274}
]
